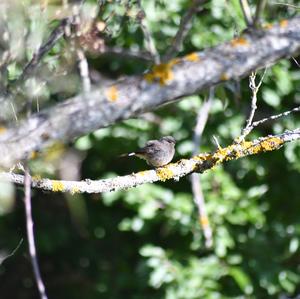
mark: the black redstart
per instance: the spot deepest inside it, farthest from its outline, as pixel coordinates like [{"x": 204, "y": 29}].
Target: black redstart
[{"x": 157, "y": 152}]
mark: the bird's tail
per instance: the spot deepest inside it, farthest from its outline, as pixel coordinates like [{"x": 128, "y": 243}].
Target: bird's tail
[{"x": 127, "y": 155}]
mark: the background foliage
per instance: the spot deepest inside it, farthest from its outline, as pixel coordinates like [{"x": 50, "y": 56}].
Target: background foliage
[{"x": 146, "y": 242}]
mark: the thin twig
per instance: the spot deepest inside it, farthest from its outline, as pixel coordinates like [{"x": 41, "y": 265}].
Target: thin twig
[
  {"x": 246, "y": 12},
  {"x": 2, "y": 259},
  {"x": 128, "y": 53},
  {"x": 273, "y": 117},
  {"x": 84, "y": 71},
  {"x": 297, "y": 63},
  {"x": 30, "y": 234},
  {"x": 254, "y": 89},
  {"x": 201, "y": 122},
  {"x": 184, "y": 27},
  {"x": 13, "y": 109},
  {"x": 258, "y": 13},
  {"x": 150, "y": 45},
  {"x": 216, "y": 141},
  {"x": 195, "y": 179},
  {"x": 286, "y": 4}
]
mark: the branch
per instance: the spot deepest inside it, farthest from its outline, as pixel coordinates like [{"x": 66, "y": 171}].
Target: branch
[
  {"x": 184, "y": 167},
  {"x": 246, "y": 12},
  {"x": 254, "y": 89},
  {"x": 272, "y": 117},
  {"x": 55, "y": 35},
  {"x": 4, "y": 257},
  {"x": 195, "y": 179},
  {"x": 149, "y": 41},
  {"x": 165, "y": 83},
  {"x": 84, "y": 71},
  {"x": 30, "y": 235},
  {"x": 184, "y": 27},
  {"x": 258, "y": 13},
  {"x": 127, "y": 53}
]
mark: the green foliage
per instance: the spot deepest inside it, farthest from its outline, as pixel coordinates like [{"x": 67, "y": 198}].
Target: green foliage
[{"x": 146, "y": 242}]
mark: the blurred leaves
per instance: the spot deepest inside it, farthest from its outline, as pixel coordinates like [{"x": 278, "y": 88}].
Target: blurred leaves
[
  {"x": 7, "y": 197},
  {"x": 146, "y": 242}
]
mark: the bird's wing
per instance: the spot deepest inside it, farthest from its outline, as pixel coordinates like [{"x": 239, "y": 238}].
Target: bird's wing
[
  {"x": 151, "y": 146},
  {"x": 151, "y": 142}
]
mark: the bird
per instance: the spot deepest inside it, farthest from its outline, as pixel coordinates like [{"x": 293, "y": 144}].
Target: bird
[{"x": 157, "y": 153}]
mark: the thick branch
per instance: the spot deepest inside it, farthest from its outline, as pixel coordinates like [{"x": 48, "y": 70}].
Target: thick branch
[
  {"x": 163, "y": 84},
  {"x": 199, "y": 163}
]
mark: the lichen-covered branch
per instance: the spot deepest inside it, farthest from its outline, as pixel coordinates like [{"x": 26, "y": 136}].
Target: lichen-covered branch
[
  {"x": 165, "y": 83},
  {"x": 198, "y": 163}
]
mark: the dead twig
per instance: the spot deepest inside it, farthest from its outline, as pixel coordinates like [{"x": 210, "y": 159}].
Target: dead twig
[
  {"x": 258, "y": 13},
  {"x": 246, "y": 12},
  {"x": 30, "y": 235},
  {"x": 184, "y": 27},
  {"x": 195, "y": 179},
  {"x": 149, "y": 41},
  {"x": 254, "y": 89}
]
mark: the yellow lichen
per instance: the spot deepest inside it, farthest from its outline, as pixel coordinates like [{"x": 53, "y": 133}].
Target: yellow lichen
[
  {"x": 224, "y": 77},
  {"x": 203, "y": 221},
  {"x": 54, "y": 152},
  {"x": 192, "y": 57},
  {"x": 271, "y": 143},
  {"x": 235, "y": 151},
  {"x": 142, "y": 173},
  {"x": 36, "y": 177},
  {"x": 267, "y": 26},
  {"x": 57, "y": 186},
  {"x": 164, "y": 173},
  {"x": 112, "y": 93},
  {"x": 266, "y": 145},
  {"x": 221, "y": 154},
  {"x": 161, "y": 72},
  {"x": 74, "y": 190},
  {"x": 33, "y": 155},
  {"x": 201, "y": 157},
  {"x": 2, "y": 129},
  {"x": 241, "y": 41},
  {"x": 283, "y": 23}
]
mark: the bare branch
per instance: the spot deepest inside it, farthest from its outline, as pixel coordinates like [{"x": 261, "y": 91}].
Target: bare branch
[
  {"x": 201, "y": 121},
  {"x": 184, "y": 27},
  {"x": 195, "y": 179},
  {"x": 3, "y": 258},
  {"x": 273, "y": 117},
  {"x": 254, "y": 88},
  {"x": 297, "y": 63},
  {"x": 258, "y": 13},
  {"x": 128, "y": 53},
  {"x": 84, "y": 71},
  {"x": 150, "y": 45},
  {"x": 163, "y": 84},
  {"x": 286, "y": 4},
  {"x": 246, "y": 12},
  {"x": 199, "y": 163},
  {"x": 30, "y": 234}
]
